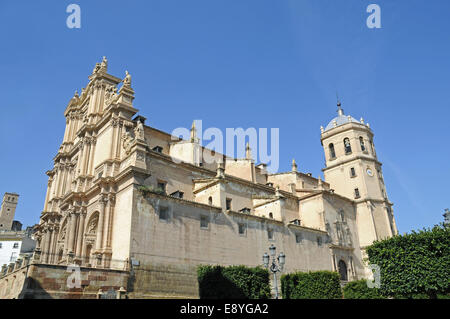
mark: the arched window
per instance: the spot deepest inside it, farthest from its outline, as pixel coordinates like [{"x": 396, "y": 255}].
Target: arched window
[
  {"x": 210, "y": 201},
  {"x": 342, "y": 270},
  {"x": 347, "y": 146},
  {"x": 270, "y": 215},
  {"x": 361, "y": 142},
  {"x": 332, "y": 152}
]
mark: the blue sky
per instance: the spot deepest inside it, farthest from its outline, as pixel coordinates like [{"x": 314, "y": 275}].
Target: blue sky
[{"x": 247, "y": 63}]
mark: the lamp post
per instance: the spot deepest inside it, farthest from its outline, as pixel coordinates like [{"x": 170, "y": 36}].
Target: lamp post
[{"x": 274, "y": 267}]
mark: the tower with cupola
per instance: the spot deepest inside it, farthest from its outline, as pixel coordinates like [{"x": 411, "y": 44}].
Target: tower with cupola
[{"x": 353, "y": 170}]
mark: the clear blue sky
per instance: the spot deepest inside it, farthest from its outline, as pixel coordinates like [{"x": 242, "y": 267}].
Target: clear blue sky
[{"x": 267, "y": 63}]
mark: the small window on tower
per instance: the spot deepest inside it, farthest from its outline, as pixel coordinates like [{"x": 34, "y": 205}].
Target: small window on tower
[
  {"x": 352, "y": 172},
  {"x": 357, "y": 193},
  {"x": 332, "y": 152},
  {"x": 347, "y": 146}
]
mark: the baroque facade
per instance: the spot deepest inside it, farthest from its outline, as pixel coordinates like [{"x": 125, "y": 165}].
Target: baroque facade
[{"x": 123, "y": 196}]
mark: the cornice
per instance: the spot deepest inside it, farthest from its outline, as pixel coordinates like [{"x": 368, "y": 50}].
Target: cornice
[{"x": 351, "y": 159}]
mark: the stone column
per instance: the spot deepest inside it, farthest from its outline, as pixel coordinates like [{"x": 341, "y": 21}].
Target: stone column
[
  {"x": 71, "y": 232},
  {"x": 87, "y": 147},
  {"x": 47, "y": 244},
  {"x": 47, "y": 195},
  {"x": 53, "y": 257},
  {"x": 91, "y": 159},
  {"x": 108, "y": 222},
  {"x": 98, "y": 242},
  {"x": 119, "y": 140},
  {"x": 66, "y": 131},
  {"x": 44, "y": 243},
  {"x": 79, "y": 253}
]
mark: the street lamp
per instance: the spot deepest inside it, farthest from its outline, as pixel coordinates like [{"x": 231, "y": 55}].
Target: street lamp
[{"x": 274, "y": 268}]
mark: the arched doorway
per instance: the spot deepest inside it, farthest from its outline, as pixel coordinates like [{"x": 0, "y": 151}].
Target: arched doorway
[{"x": 342, "y": 270}]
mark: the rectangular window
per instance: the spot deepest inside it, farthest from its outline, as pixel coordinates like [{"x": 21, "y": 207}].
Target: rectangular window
[
  {"x": 228, "y": 203},
  {"x": 16, "y": 245},
  {"x": 270, "y": 234},
  {"x": 163, "y": 213},
  {"x": 352, "y": 172},
  {"x": 1, "y": 245},
  {"x": 161, "y": 186},
  {"x": 204, "y": 222},
  {"x": 319, "y": 241},
  {"x": 241, "y": 229},
  {"x": 357, "y": 193},
  {"x": 298, "y": 238}
]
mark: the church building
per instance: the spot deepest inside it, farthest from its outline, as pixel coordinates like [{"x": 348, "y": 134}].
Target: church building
[{"x": 138, "y": 210}]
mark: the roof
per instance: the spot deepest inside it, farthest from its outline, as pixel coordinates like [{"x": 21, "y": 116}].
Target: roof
[{"x": 341, "y": 119}]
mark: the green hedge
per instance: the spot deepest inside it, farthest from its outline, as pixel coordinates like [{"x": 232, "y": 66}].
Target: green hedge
[
  {"x": 311, "y": 285},
  {"x": 358, "y": 290},
  {"x": 233, "y": 282},
  {"x": 414, "y": 265}
]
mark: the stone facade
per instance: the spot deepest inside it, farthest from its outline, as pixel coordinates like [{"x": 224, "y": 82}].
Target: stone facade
[{"x": 126, "y": 197}]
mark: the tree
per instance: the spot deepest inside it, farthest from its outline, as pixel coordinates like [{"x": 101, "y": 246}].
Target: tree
[{"x": 413, "y": 264}]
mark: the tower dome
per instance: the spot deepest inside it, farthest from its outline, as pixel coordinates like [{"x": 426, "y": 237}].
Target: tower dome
[{"x": 341, "y": 119}]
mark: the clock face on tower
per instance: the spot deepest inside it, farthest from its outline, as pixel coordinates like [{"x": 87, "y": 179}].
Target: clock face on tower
[{"x": 369, "y": 172}]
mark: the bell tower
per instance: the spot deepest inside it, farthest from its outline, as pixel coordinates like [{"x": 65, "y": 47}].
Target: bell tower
[
  {"x": 352, "y": 169},
  {"x": 8, "y": 210}
]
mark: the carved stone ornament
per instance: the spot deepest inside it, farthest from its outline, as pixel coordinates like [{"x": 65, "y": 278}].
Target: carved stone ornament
[
  {"x": 92, "y": 226},
  {"x": 111, "y": 95},
  {"x": 63, "y": 232},
  {"x": 127, "y": 141}
]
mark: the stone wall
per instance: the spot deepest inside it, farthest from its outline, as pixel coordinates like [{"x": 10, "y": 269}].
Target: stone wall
[{"x": 43, "y": 281}]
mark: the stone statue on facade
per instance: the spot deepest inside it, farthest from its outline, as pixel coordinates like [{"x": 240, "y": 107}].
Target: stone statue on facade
[
  {"x": 127, "y": 80},
  {"x": 139, "y": 131}
]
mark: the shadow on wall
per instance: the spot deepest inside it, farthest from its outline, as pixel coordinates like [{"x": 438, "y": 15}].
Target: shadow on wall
[{"x": 32, "y": 289}]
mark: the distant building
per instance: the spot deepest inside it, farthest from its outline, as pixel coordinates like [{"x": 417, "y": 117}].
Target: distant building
[
  {"x": 14, "y": 244},
  {"x": 13, "y": 241},
  {"x": 8, "y": 210}
]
